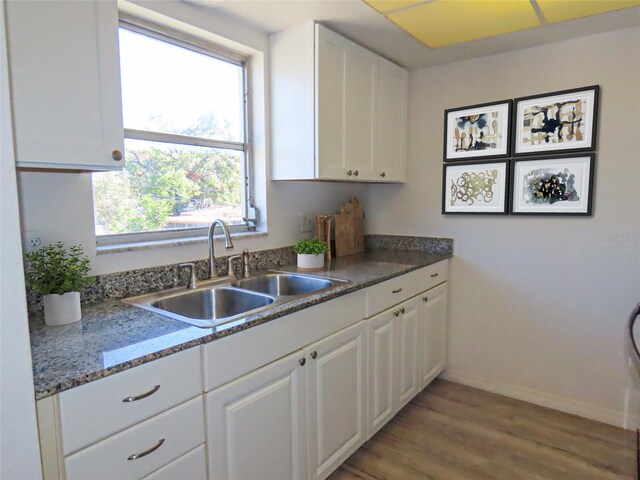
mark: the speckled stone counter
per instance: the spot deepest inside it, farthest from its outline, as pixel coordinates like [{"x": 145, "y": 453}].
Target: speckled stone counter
[{"x": 113, "y": 336}]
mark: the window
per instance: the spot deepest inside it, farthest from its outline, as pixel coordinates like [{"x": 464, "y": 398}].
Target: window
[{"x": 186, "y": 156}]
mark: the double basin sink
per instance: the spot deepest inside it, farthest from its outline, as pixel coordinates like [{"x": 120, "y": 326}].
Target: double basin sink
[{"x": 226, "y": 300}]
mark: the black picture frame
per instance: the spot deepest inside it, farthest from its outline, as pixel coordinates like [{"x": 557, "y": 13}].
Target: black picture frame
[
  {"x": 505, "y": 188},
  {"x": 449, "y": 156},
  {"x": 514, "y": 190},
  {"x": 518, "y": 121}
]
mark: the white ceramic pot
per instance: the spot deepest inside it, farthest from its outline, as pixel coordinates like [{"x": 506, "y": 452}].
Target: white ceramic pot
[
  {"x": 310, "y": 262},
  {"x": 62, "y": 309}
]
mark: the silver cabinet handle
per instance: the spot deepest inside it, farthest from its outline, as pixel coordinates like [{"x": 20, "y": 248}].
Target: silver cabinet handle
[
  {"x": 314, "y": 354},
  {"x": 142, "y": 395},
  {"x": 355, "y": 172},
  {"x": 349, "y": 172},
  {"x": 398, "y": 290},
  {"x": 116, "y": 155},
  {"x": 382, "y": 174},
  {"x": 135, "y": 456},
  {"x": 434, "y": 275}
]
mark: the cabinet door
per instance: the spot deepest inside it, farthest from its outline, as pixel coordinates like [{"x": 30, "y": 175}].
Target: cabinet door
[
  {"x": 381, "y": 336},
  {"x": 433, "y": 334},
  {"x": 391, "y": 151},
  {"x": 65, "y": 81},
  {"x": 256, "y": 424},
  {"x": 407, "y": 325},
  {"x": 330, "y": 68},
  {"x": 361, "y": 106},
  {"x": 336, "y": 402}
]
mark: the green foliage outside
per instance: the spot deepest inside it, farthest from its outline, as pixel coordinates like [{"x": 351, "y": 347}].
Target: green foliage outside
[
  {"x": 54, "y": 269},
  {"x": 163, "y": 180},
  {"x": 311, "y": 246}
]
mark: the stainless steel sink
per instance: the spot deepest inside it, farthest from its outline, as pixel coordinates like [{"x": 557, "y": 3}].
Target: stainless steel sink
[
  {"x": 287, "y": 284},
  {"x": 206, "y": 307},
  {"x": 227, "y": 300}
]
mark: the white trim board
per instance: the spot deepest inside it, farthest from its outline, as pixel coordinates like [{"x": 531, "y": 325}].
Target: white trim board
[{"x": 563, "y": 404}]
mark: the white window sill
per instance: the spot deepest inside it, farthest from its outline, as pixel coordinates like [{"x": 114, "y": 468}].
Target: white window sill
[{"x": 173, "y": 242}]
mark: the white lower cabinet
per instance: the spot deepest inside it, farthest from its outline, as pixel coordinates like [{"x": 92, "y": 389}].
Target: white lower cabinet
[
  {"x": 304, "y": 409},
  {"x": 407, "y": 320},
  {"x": 432, "y": 334},
  {"x": 381, "y": 333},
  {"x": 268, "y": 414},
  {"x": 256, "y": 424},
  {"x": 407, "y": 350},
  {"x": 336, "y": 386}
]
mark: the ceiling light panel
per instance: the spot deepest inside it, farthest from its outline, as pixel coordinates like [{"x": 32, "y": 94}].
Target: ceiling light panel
[
  {"x": 562, "y": 10},
  {"x": 449, "y": 22},
  {"x": 384, "y": 6}
]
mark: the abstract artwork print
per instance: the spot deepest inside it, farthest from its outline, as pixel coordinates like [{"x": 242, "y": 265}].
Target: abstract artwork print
[
  {"x": 553, "y": 185},
  {"x": 475, "y": 187},
  {"x": 477, "y": 131},
  {"x": 556, "y": 122}
]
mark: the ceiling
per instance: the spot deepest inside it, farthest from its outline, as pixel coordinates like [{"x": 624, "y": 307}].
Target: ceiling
[
  {"x": 442, "y": 23},
  {"x": 368, "y": 27}
]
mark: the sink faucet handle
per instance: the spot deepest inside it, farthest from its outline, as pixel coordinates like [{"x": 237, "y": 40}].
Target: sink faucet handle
[
  {"x": 193, "y": 282},
  {"x": 230, "y": 263},
  {"x": 245, "y": 263}
]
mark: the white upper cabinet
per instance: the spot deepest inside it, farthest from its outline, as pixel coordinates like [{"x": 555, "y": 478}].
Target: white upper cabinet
[
  {"x": 65, "y": 83},
  {"x": 331, "y": 100},
  {"x": 391, "y": 148}
]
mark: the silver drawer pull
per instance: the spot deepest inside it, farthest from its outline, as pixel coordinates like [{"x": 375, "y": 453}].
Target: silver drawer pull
[
  {"x": 434, "y": 275},
  {"x": 397, "y": 290},
  {"x": 135, "y": 456},
  {"x": 142, "y": 395}
]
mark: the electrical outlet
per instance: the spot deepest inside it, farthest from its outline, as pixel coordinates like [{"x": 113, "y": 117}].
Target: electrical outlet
[
  {"x": 32, "y": 241},
  {"x": 307, "y": 221}
]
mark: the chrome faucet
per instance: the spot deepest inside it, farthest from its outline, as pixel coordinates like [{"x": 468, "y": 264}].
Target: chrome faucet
[{"x": 228, "y": 244}]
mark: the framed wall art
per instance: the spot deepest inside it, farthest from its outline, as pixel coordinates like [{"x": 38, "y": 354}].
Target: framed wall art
[
  {"x": 479, "y": 188},
  {"x": 477, "y": 131},
  {"x": 560, "y": 185},
  {"x": 556, "y": 122}
]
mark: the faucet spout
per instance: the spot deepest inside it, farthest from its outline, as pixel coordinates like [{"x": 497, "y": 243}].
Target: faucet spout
[{"x": 228, "y": 244}]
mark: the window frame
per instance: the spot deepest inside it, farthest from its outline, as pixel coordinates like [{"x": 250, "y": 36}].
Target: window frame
[{"x": 208, "y": 48}]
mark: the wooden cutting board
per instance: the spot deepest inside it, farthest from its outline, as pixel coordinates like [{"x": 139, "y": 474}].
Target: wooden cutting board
[{"x": 349, "y": 229}]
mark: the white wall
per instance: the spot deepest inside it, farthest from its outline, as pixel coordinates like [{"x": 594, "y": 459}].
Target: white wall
[
  {"x": 538, "y": 305},
  {"x": 19, "y": 451},
  {"x": 59, "y": 206}
]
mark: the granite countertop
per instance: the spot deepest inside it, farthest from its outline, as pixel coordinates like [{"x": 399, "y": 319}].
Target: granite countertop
[{"x": 113, "y": 336}]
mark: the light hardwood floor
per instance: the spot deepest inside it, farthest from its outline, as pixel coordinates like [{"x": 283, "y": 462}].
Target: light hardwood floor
[{"x": 451, "y": 432}]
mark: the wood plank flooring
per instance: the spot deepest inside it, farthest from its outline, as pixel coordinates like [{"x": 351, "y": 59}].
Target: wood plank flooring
[{"x": 451, "y": 432}]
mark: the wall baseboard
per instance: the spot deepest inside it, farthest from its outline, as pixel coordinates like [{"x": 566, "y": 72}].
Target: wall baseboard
[{"x": 581, "y": 409}]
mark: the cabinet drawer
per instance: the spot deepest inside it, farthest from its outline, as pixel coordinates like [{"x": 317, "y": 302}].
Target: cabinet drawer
[
  {"x": 96, "y": 410},
  {"x": 165, "y": 438},
  {"x": 389, "y": 293},
  {"x": 192, "y": 466}
]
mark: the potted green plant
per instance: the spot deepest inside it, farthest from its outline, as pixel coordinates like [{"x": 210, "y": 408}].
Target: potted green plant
[
  {"x": 311, "y": 253},
  {"x": 59, "y": 275}
]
